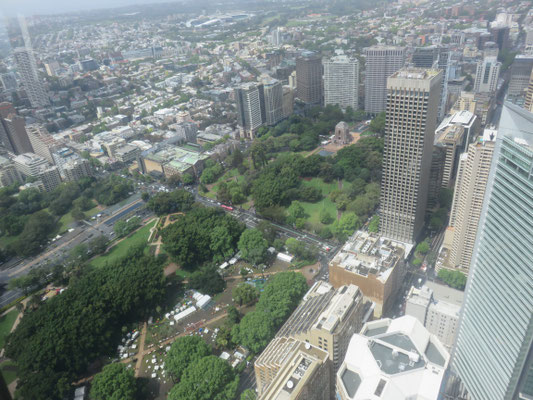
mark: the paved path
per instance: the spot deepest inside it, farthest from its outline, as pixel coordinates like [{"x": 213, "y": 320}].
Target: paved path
[{"x": 142, "y": 339}]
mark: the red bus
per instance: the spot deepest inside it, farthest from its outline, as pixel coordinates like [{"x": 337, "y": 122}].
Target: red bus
[{"x": 225, "y": 207}]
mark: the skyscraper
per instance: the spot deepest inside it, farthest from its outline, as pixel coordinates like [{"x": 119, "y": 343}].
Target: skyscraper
[
  {"x": 472, "y": 176},
  {"x": 249, "y": 98},
  {"x": 413, "y": 96},
  {"x": 273, "y": 100},
  {"x": 309, "y": 79},
  {"x": 494, "y": 353},
  {"x": 31, "y": 82},
  {"x": 381, "y": 62},
  {"x": 341, "y": 81},
  {"x": 487, "y": 74}
]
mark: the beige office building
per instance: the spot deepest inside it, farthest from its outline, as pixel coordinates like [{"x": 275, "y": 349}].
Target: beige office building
[
  {"x": 296, "y": 371},
  {"x": 470, "y": 186},
  {"x": 413, "y": 96},
  {"x": 372, "y": 263},
  {"x": 450, "y": 140},
  {"x": 326, "y": 319}
]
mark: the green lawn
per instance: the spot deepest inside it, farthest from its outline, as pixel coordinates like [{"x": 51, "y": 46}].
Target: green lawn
[
  {"x": 6, "y": 323},
  {"x": 9, "y": 371},
  {"x": 121, "y": 249},
  {"x": 67, "y": 219},
  {"x": 313, "y": 209},
  {"x": 7, "y": 240}
]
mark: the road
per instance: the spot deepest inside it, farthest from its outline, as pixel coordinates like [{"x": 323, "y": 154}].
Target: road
[{"x": 58, "y": 250}]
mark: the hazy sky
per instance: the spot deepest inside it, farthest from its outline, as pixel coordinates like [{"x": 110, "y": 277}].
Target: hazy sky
[{"x": 31, "y": 7}]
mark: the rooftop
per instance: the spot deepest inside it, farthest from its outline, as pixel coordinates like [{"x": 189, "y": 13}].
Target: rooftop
[
  {"x": 415, "y": 73},
  {"x": 366, "y": 253},
  {"x": 393, "y": 360}
]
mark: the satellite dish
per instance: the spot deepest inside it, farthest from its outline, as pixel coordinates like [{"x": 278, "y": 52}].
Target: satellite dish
[
  {"x": 290, "y": 384},
  {"x": 307, "y": 346}
]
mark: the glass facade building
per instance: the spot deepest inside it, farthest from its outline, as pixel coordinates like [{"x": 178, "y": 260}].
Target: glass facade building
[{"x": 493, "y": 353}]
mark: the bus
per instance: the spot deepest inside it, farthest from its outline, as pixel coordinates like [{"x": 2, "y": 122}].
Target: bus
[{"x": 225, "y": 207}]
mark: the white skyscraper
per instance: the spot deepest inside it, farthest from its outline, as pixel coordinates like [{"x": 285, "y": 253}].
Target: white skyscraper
[
  {"x": 494, "y": 350},
  {"x": 381, "y": 62},
  {"x": 487, "y": 74},
  {"x": 273, "y": 98},
  {"x": 27, "y": 68},
  {"x": 341, "y": 81}
]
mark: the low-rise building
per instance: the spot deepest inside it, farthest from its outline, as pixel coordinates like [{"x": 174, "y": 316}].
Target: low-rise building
[
  {"x": 299, "y": 371},
  {"x": 392, "y": 360},
  {"x": 326, "y": 319},
  {"x": 438, "y": 312},
  {"x": 127, "y": 153},
  {"x": 374, "y": 264},
  {"x": 74, "y": 170},
  {"x": 173, "y": 160}
]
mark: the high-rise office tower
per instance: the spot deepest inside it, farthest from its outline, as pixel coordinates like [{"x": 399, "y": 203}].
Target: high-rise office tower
[
  {"x": 309, "y": 79},
  {"x": 31, "y": 82},
  {"x": 472, "y": 176},
  {"x": 528, "y": 102},
  {"x": 520, "y": 73},
  {"x": 249, "y": 99},
  {"x": 341, "y": 82},
  {"x": 413, "y": 96},
  {"x": 381, "y": 62},
  {"x": 14, "y": 130},
  {"x": 273, "y": 100},
  {"x": 487, "y": 74},
  {"x": 494, "y": 350}
]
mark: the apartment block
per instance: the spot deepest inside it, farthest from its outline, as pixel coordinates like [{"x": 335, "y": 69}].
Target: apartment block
[
  {"x": 372, "y": 263},
  {"x": 487, "y": 75},
  {"x": 467, "y": 205},
  {"x": 273, "y": 100},
  {"x": 31, "y": 81},
  {"x": 341, "y": 81},
  {"x": 249, "y": 100}
]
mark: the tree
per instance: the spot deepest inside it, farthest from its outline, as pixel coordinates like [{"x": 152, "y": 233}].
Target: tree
[
  {"x": 206, "y": 379},
  {"x": 207, "y": 280},
  {"x": 295, "y": 212},
  {"x": 373, "y": 226},
  {"x": 187, "y": 179},
  {"x": 248, "y": 394},
  {"x": 145, "y": 196},
  {"x": 422, "y": 247},
  {"x": 445, "y": 198},
  {"x": 115, "y": 382},
  {"x": 253, "y": 246},
  {"x": 455, "y": 279},
  {"x": 245, "y": 294},
  {"x": 325, "y": 217},
  {"x": 166, "y": 203},
  {"x": 35, "y": 233},
  {"x": 346, "y": 225},
  {"x": 268, "y": 231},
  {"x": 436, "y": 223},
  {"x": 57, "y": 341},
  {"x": 77, "y": 214},
  {"x": 221, "y": 243},
  {"x": 378, "y": 123},
  {"x": 185, "y": 351},
  {"x": 254, "y": 331}
]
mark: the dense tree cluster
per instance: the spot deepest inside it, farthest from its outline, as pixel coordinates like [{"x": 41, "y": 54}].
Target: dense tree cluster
[
  {"x": 57, "y": 341},
  {"x": 202, "y": 235},
  {"x": 209, "y": 378},
  {"x": 253, "y": 246},
  {"x": 112, "y": 189},
  {"x": 167, "y": 203},
  {"x": 199, "y": 375},
  {"x": 455, "y": 279},
  {"x": 280, "y": 297},
  {"x": 211, "y": 172},
  {"x": 115, "y": 382}
]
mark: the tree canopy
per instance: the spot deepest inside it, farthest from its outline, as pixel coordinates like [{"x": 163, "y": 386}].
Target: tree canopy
[
  {"x": 167, "y": 203},
  {"x": 209, "y": 378},
  {"x": 115, "y": 382},
  {"x": 57, "y": 341},
  {"x": 455, "y": 279},
  {"x": 253, "y": 246},
  {"x": 185, "y": 351},
  {"x": 193, "y": 240}
]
